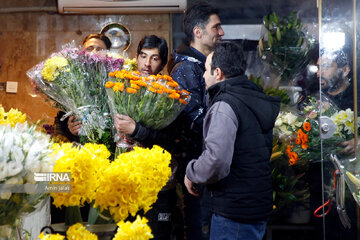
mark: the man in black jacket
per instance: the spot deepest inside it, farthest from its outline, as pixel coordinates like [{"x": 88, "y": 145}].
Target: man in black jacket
[
  {"x": 151, "y": 57},
  {"x": 235, "y": 162},
  {"x": 202, "y": 27},
  {"x": 183, "y": 138}
]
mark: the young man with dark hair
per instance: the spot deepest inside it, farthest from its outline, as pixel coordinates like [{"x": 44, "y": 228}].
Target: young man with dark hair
[
  {"x": 203, "y": 30},
  {"x": 235, "y": 161},
  {"x": 183, "y": 138},
  {"x": 151, "y": 57}
]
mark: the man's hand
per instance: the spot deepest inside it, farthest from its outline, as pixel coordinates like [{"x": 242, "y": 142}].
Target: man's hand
[
  {"x": 124, "y": 124},
  {"x": 190, "y": 187},
  {"x": 74, "y": 127},
  {"x": 349, "y": 146}
]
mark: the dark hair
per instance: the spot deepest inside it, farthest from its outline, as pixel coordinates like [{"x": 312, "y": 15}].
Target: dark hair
[
  {"x": 153, "y": 41},
  {"x": 197, "y": 15},
  {"x": 230, "y": 58},
  {"x": 99, "y": 36}
]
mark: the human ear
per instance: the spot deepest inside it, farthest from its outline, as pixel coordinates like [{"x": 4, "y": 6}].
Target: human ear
[
  {"x": 219, "y": 75},
  {"x": 345, "y": 71},
  {"x": 197, "y": 31}
]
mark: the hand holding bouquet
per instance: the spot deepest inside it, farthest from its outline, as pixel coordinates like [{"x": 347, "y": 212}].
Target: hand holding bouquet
[
  {"x": 153, "y": 101},
  {"x": 75, "y": 80}
]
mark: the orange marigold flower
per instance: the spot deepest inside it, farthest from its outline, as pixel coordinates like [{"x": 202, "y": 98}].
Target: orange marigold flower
[
  {"x": 109, "y": 84},
  {"x": 292, "y": 161},
  {"x": 173, "y": 84},
  {"x": 169, "y": 91},
  {"x": 294, "y": 155},
  {"x": 304, "y": 138},
  {"x": 298, "y": 141},
  {"x": 159, "y": 91},
  {"x": 307, "y": 126},
  {"x": 304, "y": 146},
  {"x": 141, "y": 83},
  {"x": 183, "y": 91},
  {"x": 152, "y": 89},
  {"x": 300, "y": 132},
  {"x": 174, "y": 96},
  {"x": 118, "y": 86},
  {"x": 135, "y": 86},
  {"x": 183, "y": 101},
  {"x": 167, "y": 77},
  {"x": 111, "y": 74},
  {"x": 120, "y": 75},
  {"x": 288, "y": 149},
  {"x": 131, "y": 90}
]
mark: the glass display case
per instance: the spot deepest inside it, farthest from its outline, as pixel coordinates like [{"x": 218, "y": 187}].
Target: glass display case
[{"x": 338, "y": 94}]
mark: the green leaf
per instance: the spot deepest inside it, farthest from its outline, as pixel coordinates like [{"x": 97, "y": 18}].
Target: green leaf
[
  {"x": 278, "y": 34},
  {"x": 270, "y": 39},
  {"x": 93, "y": 214},
  {"x": 276, "y": 19},
  {"x": 266, "y": 19},
  {"x": 72, "y": 215}
]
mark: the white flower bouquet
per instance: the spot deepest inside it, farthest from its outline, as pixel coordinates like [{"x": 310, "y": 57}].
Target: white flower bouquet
[{"x": 23, "y": 152}]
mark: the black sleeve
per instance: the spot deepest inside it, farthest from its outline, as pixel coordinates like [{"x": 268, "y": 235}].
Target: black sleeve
[
  {"x": 61, "y": 128},
  {"x": 166, "y": 138}
]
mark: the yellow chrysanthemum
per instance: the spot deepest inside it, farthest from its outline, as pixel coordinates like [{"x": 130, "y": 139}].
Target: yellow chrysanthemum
[
  {"x": 133, "y": 181},
  {"x": 11, "y": 117},
  {"x": 53, "y": 66},
  {"x": 85, "y": 165},
  {"x": 130, "y": 64},
  {"x": 79, "y": 232},
  {"x": 138, "y": 230},
  {"x": 51, "y": 236}
]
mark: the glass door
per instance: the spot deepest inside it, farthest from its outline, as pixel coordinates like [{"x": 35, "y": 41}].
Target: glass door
[{"x": 335, "y": 177}]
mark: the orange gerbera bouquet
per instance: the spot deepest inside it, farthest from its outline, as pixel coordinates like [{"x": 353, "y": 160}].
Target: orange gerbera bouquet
[
  {"x": 153, "y": 101},
  {"x": 306, "y": 146}
]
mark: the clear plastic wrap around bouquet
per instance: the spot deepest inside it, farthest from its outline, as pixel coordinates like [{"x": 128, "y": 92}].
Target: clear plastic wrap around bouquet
[
  {"x": 286, "y": 47},
  {"x": 75, "y": 80},
  {"x": 153, "y": 101},
  {"x": 305, "y": 144},
  {"x": 23, "y": 152}
]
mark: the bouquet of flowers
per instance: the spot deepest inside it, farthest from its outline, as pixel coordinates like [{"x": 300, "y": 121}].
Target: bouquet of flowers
[
  {"x": 307, "y": 142},
  {"x": 153, "y": 101},
  {"x": 126, "y": 231},
  {"x": 23, "y": 152},
  {"x": 126, "y": 185},
  {"x": 132, "y": 181},
  {"x": 75, "y": 80},
  {"x": 286, "y": 124},
  {"x": 287, "y": 46}
]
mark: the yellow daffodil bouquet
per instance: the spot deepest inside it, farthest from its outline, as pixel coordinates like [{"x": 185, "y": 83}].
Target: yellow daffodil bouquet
[
  {"x": 137, "y": 230},
  {"x": 128, "y": 184},
  {"x": 153, "y": 101},
  {"x": 75, "y": 80},
  {"x": 24, "y": 151}
]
